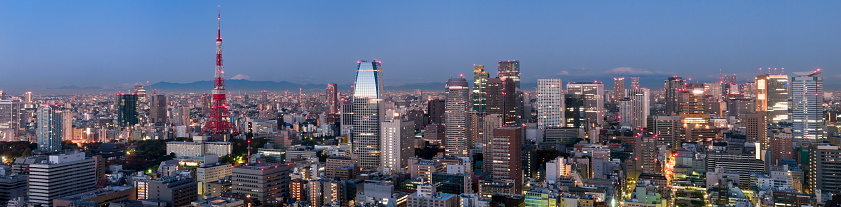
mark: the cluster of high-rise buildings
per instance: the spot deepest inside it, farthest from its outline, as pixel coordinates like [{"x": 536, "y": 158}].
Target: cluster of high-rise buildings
[{"x": 772, "y": 140}]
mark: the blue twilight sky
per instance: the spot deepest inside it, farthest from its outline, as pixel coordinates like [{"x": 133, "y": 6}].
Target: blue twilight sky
[{"x": 47, "y": 44}]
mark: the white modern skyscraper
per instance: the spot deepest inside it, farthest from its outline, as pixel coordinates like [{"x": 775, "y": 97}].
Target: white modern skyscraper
[
  {"x": 455, "y": 117},
  {"x": 593, "y": 94},
  {"x": 367, "y": 112},
  {"x": 49, "y": 128},
  {"x": 396, "y": 144},
  {"x": 550, "y": 103},
  {"x": 807, "y": 106},
  {"x": 634, "y": 108}
]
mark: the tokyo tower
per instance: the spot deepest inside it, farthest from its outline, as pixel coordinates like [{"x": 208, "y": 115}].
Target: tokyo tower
[{"x": 219, "y": 120}]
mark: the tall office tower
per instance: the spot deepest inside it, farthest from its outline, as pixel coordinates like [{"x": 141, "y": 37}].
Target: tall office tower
[
  {"x": 772, "y": 96},
  {"x": 593, "y": 94},
  {"x": 263, "y": 182},
  {"x": 264, "y": 97},
  {"x": 219, "y": 120},
  {"x": 11, "y": 119},
  {"x": 347, "y": 116},
  {"x": 397, "y": 145},
  {"x": 457, "y": 106},
  {"x": 66, "y": 124},
  {"x": 823, "y": 168},
  {"x": 27, "y": 97},
  {"x": 175, "y": 191},
  {"x": 205, "y": 104},
  {"x": 510, "y": 70},
  {"x": 49, "y": 129},
  {"x": 475, "y": 128},
  {"x": 332, "y": 98},
  {"x": 490, "y": 122},
  {"x": 435, "y": 108},
  {"x": 645, "y": 154},
  {"x": 550, "y": 103},
  {"x": 574, "y": 110},
  {"x": 693, "y": 99},
  {"x": 366, "y": 113},
  {"x": 673, "y": 86},
  {"x": 141, "y": 93},
  {"x": 756, "y": 128},
  {"x": 60, "y": 176},
  {"x": 635, "y": 82},
  {"x": 634, "y": 108},
  {"x": 501, "y": 99},
  {"x": 781, "y": 144},
  {"x": 506, "y": 148},
  {"x": 158, "y": 109},
  {"x": 666, "y": 129},
  {"x": 127, "y": 109},
  {"x": 618, "y": 88},
  {"x": 807, "y": 106},
  {"x": 480, "y": 81},
  {"x": 714, "y": 90}
]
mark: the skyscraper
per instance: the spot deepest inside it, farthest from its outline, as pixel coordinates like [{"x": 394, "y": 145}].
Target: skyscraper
[
  {"x": 456, "y": 117},
  {"x": 673, "y": 86},
  {"x": 635, "y": 82},
  {"x": 366, "y": 113},
  {"x": 435, "y": 109},
  {"x": 692, "y": 99},
  {"x": 823, "y": 168},
  {"x": 60, "y": 176},
  {"x": 49, "y": 129},
  {"x": 574, "y": 110},
  {"x": 480, "y": 81},
  {"x": 807, "y": 106},
  {"x": 772, "y": 96},
  {"x": 634, "y": 108},
  {"x": 510, "y": 70},
  {"x": 158, "y": 109},
  {"x": 127, "y": 109},
  {"x": 618, "y": 88},
  {"x": 397, "y": 145},
  {"x": 506, "y": 148},
  {"x": 332, "y": 98},
  {"x": 501, "y": 100},
  {"x": 550, "y": 103},
  {"x": 593, "y": 94},
  {"x": 11, "y": 119}
]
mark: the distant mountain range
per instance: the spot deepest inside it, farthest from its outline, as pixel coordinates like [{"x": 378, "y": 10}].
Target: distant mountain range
[{"x": 253, "y": 86}]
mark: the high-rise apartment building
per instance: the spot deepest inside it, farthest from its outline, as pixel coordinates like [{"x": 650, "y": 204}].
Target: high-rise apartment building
[
  {"x": 772, "y": 94},
  {"x": 634, "y": 108},
  {"x": 807, "y": 118},
  {"x": 367, "y": 114},
  {"x": 480, "y": 81},
  {"x": 618, "y": 88},
  {"x": 457, "y": 106},
  {"x": 60, "y": 176},
  {"x": 506, "y": 149},
  {"x": 332, "y": 98},
  {"x": 49, "y": 129},
  {"x": 550, "y": 103},
  {"x": 263, "y": 182},
  {"x": 397, "y": 145},
  {"x": 127, "y": 109},
  {"x": 593, "y": 94},
  {"x": 673, "y": 86}
]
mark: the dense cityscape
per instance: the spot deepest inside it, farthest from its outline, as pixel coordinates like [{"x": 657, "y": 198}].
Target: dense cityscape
[{"x": 480, "y": 140}]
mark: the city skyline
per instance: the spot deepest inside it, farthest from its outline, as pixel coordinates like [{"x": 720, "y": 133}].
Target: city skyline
[{"x": 118, "y": 44}]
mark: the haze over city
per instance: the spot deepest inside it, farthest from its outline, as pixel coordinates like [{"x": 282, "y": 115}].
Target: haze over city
[{"x": 120, "y": 43}]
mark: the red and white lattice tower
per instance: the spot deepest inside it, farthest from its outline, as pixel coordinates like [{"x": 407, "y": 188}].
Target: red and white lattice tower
[{"x": 219, "y": 120}]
